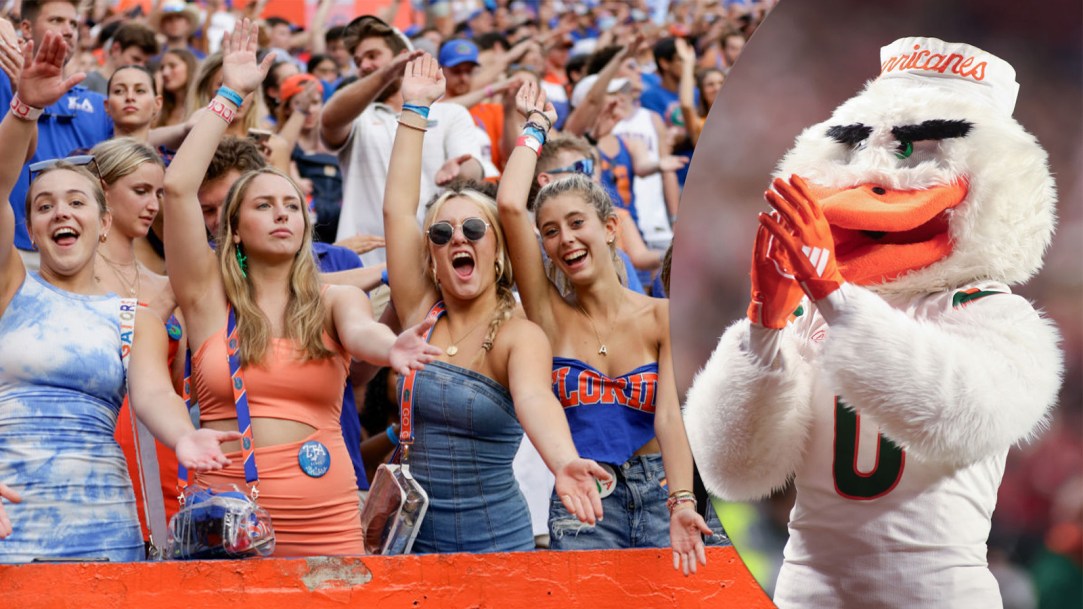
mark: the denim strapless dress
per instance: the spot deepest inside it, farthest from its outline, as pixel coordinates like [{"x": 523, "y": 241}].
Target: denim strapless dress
[{"x": 466, "y": 438}]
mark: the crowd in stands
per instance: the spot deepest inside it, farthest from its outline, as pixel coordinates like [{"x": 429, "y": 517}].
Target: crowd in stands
[{"x": 500, "y": 178}]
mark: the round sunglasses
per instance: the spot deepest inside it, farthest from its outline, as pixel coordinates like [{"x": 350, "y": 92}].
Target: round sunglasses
[{"x": 440, "y": 233}]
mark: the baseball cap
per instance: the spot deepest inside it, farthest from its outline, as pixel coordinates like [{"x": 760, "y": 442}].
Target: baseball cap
[
  {"x": 295, "y": 84},
  {"x": 455, "y": 52}
]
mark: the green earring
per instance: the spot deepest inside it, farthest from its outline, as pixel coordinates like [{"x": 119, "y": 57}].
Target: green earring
[{"x": 242, "y": 261}]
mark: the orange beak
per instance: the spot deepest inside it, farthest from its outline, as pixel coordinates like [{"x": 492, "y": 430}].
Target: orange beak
[{"x": 882, "y": 233}]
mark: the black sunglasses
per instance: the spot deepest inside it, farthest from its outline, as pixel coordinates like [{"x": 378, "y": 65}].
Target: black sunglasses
[
  {"x": 82, "y": 160},
  {"x": 440, "y": 233},
  {"x": 583, "y": 166}
]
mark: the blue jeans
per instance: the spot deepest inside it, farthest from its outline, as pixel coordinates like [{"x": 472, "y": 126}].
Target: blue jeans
[{"x": 635, "y": 513}]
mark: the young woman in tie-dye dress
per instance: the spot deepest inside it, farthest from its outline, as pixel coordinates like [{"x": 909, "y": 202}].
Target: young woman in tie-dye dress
[{"x": 63, "y": 482}]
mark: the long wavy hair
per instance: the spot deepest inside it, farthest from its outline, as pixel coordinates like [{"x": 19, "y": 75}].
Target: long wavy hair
[
  {"x": 304, "y": 307},
  {"x": 594, "y": 195},
  {"x": 170, "y": 99},
  {"x": 505, "y": 281}
]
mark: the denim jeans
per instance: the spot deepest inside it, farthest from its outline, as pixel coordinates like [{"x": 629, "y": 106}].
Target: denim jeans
[{"x": 635, "y": 513}]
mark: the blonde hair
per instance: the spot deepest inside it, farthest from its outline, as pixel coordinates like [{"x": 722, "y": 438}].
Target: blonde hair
[
  {"x": 505, "y": 281},
  {"x": 119, "y": 157},
  {"x": 304, "y": 309},
  {"x": 594, "y": 195},
  {"x": 200, "y": 93}
]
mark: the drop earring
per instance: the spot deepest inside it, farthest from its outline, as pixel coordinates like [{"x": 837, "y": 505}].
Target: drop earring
[{"x": 242, "y": 261}]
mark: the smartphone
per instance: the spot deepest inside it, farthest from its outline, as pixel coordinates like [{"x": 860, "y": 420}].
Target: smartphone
[{"x": 259, "y": 136}]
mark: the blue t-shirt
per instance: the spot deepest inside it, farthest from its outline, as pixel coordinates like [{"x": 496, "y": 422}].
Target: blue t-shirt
[
  {"x": 332, "y": 258},
  {"x": 75, "y": 122},
  {"x": 667, "y": 104}
]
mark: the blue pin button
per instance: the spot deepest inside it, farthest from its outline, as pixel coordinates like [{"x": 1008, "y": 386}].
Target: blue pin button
[{"x": 314, "y": 458}]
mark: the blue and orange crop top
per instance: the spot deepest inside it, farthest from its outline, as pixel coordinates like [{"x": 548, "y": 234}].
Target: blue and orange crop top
[{"x": 610, "y": 418}]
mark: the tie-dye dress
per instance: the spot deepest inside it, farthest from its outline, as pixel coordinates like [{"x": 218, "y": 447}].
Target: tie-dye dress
[{"x": 61, "y": 386}]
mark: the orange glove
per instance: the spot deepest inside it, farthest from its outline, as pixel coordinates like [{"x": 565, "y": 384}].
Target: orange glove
[
  {"x": 809, "y": 247},
  {"x": 775, "y": 293}
]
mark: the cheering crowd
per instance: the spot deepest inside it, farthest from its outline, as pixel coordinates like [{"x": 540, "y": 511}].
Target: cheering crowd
[{"x": 500, "y": 178}]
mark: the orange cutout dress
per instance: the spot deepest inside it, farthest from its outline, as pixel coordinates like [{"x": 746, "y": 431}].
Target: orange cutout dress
[{"x": 311, "y": 516}]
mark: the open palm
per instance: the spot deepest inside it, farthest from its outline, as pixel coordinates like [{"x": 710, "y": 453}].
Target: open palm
[
  {"x": 240, "y": 69},
  {"x": 42, "y": 81},
  {"x": 423, "y": 82}
]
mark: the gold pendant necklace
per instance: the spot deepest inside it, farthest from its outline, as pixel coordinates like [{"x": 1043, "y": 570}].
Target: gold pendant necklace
[
  {"x": 453, "y": 348},
  {"x": 602, "y": 350},
  {"x": 132, "y": 286}
]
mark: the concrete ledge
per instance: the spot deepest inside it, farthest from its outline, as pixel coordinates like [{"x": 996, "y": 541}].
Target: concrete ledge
[{"x": 603, "y": 579}]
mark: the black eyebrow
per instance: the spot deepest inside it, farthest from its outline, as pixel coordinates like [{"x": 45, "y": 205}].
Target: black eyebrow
[
  {"x": 932, "y": 130},
  {"x": 849, "y": 134}
]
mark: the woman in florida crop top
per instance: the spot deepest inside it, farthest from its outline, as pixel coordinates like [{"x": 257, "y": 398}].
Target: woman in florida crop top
[
  {"x": 613, "y": 373},
  {"x": 492, "y": 375},
  {"x": 294, "y": 340}
]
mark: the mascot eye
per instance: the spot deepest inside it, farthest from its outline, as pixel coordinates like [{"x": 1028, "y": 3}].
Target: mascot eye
[{"x": 906, "y": 148}]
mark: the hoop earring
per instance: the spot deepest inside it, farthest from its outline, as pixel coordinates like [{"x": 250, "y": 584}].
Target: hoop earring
[
  {"x": 499, "y": 269},
  {"x": 242, "y": 261}
]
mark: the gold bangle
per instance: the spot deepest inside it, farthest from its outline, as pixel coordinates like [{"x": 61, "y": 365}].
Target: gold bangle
[
  {"x": 682, "y": 492},
  {"x": 414, "y": 127}
]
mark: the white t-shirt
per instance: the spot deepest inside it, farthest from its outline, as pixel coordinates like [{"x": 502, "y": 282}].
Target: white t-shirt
[
  {"x": 365, "y": 156},
  {"x": 653, "y": 216}
]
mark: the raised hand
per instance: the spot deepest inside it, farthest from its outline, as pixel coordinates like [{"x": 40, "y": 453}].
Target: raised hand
[
  {"x": 42, "y": 82},
  {"x": 411, "y": 351},
  {"x": 685, "y": 50},
  {"x": 686, "y": 528},
  {"x": 11, "y": 53},
  {"x": 450, "y": 169},
  {"x": 531, "y": 100},
  {"x": 240, "y": 70},
  {"x": 577, "y": 487},
  {"x": 672, "y": 163},
  {"x": 775, "y": 292},
  {"x": 5, "y": 522},
  {"x": 805, "y": 235},
  {"x": 423, "y": 81},
  {"x": 201, "y": 449}
]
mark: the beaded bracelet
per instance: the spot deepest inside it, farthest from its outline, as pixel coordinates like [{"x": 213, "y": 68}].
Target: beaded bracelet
[
  {"x": 221, "y": 110},
  {"x": 20, "y": 109},
  {"x": 548, "y": 123},
  {"x": 231, "y": 96},
  {"x": 422, "y": 110},
  {"x": 673, "y": 502},
  {"x": 391, "y": 435}
]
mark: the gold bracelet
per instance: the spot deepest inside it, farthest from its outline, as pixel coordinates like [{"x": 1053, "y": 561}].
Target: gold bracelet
[{"x": 414, "y": 127}]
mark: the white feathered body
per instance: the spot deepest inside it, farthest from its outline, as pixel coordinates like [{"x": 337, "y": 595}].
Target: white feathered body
[{"x": 892, "y": 406}]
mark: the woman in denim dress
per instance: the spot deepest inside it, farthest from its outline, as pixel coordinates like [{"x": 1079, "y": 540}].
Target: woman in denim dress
[{"x": 471, "y": 406}]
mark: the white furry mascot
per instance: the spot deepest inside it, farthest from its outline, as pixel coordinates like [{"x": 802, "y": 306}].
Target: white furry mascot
[{"x": 893, "y": 393}]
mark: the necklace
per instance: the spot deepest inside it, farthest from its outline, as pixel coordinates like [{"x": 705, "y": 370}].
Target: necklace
[
  {"x": 453, "y": 348},
  {"x": 602, "y": 350},
  {"x": 132, "y": 286}
]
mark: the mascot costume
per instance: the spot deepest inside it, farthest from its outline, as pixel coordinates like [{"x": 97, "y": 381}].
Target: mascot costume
[{"x": 885, "y": 364}]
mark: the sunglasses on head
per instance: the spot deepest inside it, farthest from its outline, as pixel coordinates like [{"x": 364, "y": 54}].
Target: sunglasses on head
[
  {"x": 583, "y": 166},
  {"x": 82, "y": 160},
  {"x": 440, "y": 233}
]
